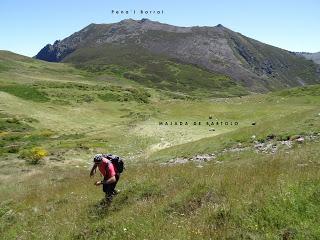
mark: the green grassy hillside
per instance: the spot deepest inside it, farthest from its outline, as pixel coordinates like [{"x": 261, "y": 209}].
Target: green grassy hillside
[
  {"x": 153, "y": 70},
  {"x": 263, "y": 181}
]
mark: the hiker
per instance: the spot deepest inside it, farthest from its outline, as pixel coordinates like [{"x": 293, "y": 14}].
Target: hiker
[{"x": 110, "y": 173}]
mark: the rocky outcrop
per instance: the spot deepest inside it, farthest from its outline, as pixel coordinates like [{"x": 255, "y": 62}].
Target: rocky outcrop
[
  {"x": 268, "y": 146},
  {"x": 54, "y": 53}
]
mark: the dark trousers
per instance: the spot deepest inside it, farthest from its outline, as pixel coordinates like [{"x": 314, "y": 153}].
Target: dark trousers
[{"x": 109, "y": 188}]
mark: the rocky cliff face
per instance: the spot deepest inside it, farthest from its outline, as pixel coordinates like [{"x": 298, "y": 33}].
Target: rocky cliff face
[{"x": 255, "y": 65}]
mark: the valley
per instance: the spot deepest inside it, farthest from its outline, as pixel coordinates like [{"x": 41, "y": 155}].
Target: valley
[{"x": 209, "y": 155}]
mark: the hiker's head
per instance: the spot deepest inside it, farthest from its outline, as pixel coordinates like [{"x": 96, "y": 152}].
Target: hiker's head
[{"x": 97, "y": 158}]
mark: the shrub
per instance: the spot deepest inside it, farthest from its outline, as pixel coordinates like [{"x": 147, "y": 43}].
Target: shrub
[
  {"x": 13, "y": 148},
  {"x": 34, "y": 155},
  {"x": 13, "y": 120}
]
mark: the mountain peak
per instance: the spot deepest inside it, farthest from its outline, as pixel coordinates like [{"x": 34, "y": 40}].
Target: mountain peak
[
  {"x": 144, "y": 20},
  {"x": 128, "y": 20},
  {"x": 253, "y": 64}
]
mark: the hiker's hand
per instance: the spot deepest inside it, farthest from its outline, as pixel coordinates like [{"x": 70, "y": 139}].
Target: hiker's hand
[{"x": 97, "y": 183}]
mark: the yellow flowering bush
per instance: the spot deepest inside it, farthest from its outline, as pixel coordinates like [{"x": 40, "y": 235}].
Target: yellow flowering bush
[{"x": 34, "y": 155}]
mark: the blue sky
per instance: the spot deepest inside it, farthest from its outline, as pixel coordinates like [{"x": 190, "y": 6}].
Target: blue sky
[{"x": 28, "y": 25}]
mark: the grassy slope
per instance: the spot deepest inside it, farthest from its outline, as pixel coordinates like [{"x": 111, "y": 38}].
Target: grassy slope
[
  {"x": 247, "y": 196},
  {"x": 153, "y": 70},
  {"x": 282, "y": 68},
  {"x": 282, "y": 117}
]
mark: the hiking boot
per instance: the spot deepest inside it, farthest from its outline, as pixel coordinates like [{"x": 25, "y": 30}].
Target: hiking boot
[
  {"x": 115, "y": 192},
  {"x": 108, "y": 198}
]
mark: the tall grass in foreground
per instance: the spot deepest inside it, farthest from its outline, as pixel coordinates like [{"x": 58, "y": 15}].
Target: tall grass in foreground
[{"x": 247, "y": 196}]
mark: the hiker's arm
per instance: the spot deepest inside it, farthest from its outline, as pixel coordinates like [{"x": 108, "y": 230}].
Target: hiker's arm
[
  {"x": 110, "y": 180},
  {"x": 93, "y": 170}
]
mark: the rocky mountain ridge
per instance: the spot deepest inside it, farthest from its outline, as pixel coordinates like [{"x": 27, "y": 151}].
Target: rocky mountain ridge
[{"x": 257, "y": 66}]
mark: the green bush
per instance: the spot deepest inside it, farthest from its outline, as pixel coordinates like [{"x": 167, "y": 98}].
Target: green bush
[
  {"x": 13, "y": 149},
  {"x": 110, "y": 97},
  {"x": 33, "y": 156}
]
